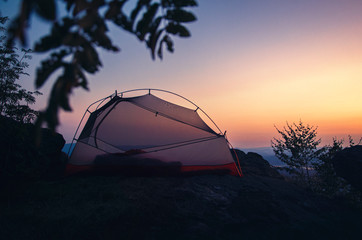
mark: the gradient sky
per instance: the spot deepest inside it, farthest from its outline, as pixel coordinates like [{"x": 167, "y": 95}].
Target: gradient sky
[{"x": 249, "y": 64}]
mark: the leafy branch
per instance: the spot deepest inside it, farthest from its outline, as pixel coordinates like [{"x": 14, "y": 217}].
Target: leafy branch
[{"x": 75, "y": 39}]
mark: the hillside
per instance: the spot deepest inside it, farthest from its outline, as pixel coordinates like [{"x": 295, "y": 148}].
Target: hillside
[
  {"x": 36, "y": 203},
  {"x": 200, "y": 207}
]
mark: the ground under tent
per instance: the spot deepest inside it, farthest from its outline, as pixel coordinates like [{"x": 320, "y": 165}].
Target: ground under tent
[{"x": 144, "y": 134}]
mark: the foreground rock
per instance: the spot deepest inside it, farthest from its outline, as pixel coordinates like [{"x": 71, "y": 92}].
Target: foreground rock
[
  {"x": 198, "y": 207},
  {"x": 348, "y": 165},
  {"x": 261, "y": 205},
  {"x": 29, "y": 154}
]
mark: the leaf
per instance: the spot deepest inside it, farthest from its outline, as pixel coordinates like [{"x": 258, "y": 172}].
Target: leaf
[
  {"x": 88, "y": 20},
  {"x": 69, "y": 5},
  {"x": 48, "y": 67},
  {"x": 166, "y": 39},
  {"x": 54, "y": 39},
  {"x": 137, "y": 9},
  {"x": 185, "y": 3},
  {"x": 74, "y": 40},
  {"x": 46, "y": 9},
  {"x": 124, "y": 23},
  {"x": 178, "y": 30},
  {"x": 159, "y": 51},
  {"x": 51, "y": 113},
  {"x": 47, "y": 43},
  {"x": 79, "y": 6},
  {"x": 96, "y": 4},
  {"x": 180, "y": 15},
  {"x": 153, "y": 36},
  {"x": 101, "y": 39},
  {"x": 16, "y": 29},
  {"x": 88, "y": 59},
  {"x": 83, "y": 83},
  {"x": 179, "y": 3},
  {"x": 114, "y": 9},
  {"x": 116, "y": 15},
  {"x": 152, "y": 42},
  {"x": 144, "y": 25},
  {"x": 63, "y": 87},
  {"x": 97, "y": 34}
]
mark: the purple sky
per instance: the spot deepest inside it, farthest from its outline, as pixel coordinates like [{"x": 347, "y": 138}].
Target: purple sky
[{"x": 249, "y": 64}]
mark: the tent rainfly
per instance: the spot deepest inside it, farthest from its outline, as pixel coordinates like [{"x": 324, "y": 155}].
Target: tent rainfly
[{"x": 147, "y": 135}]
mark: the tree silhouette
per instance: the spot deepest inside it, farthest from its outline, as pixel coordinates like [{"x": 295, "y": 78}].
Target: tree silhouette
[
  {"x": 328, "y": 183},
  {"x": 14, "y": 100},
  {"x": 297, "y": 147},
  {"x": 75, "y": 39}
]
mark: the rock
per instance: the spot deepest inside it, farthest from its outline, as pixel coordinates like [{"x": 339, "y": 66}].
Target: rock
[
  {"x": 254, "y": 164},
  {"x": 51, "y": 142},
  {"x": 348, "y": 165},
  {"x": 22, "y": 158},
  {"x": 198, "y": 207}
]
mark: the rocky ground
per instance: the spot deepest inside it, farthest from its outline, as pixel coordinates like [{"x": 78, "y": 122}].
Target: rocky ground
[
  {"x": 198, "y": 207},
  {"x": 261, "y": 205}
]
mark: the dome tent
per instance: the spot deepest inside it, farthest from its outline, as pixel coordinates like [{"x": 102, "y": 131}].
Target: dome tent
[{"x": 145, "y": 134}]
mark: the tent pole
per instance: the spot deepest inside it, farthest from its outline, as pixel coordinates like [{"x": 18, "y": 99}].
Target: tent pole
[
  {"x": 87, "y": 110},
  {"x": 237, "y": 163},
  {"x": 76, "y": 131}
]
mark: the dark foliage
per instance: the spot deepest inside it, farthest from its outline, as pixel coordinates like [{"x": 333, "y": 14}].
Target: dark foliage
[
  {"x": 14, "y": 100},
  {"x": 348, "y": 164},
  {"x": 75, "y": 39},
  {"x": 297, "y": 147},
  {"x": 326, "y": 181},
  {"x": 338, "y": 172}
]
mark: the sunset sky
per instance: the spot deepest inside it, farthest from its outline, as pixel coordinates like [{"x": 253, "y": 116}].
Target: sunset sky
[{"x": 249, "y": 65}]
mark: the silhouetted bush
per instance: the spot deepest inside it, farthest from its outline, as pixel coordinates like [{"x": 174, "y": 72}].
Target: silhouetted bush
[{"x": 298, "y": 148}]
